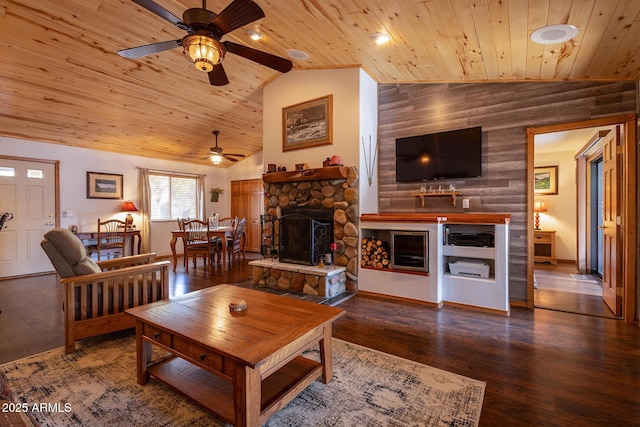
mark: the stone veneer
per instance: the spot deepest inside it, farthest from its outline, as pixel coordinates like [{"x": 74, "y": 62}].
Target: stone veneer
[
  {"x": 342, "y": 196},
  {"x": 308, "y": 279}
]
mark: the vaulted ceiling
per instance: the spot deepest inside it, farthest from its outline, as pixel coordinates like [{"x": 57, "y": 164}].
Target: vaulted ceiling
[{"x": 62, "y": 82}]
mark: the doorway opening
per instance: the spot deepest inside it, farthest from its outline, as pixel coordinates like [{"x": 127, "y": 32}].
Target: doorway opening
[{"x": 584, "y": 255}]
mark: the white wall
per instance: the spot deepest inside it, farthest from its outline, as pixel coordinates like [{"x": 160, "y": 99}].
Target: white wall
[
  {"x": 302, "y": 85},
  {"x": 76, "y": 162},
  {"x": 561, "y": 207},
  {"x": 368, "y": 138},
  {"x": 250, "y": 168}
]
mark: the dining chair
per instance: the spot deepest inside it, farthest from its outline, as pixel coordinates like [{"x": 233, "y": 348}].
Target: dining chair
[
  {"x": 198, "y": 243},
  {"x": 235, "y": 243},
  {"x": 112, "y": 238},
  {"x": 228, "y": 221}
]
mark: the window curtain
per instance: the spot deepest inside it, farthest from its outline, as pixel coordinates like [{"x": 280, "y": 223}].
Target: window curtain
[
  {"x": 145, "y": 208},
  {"x": 200, "y": 210}
]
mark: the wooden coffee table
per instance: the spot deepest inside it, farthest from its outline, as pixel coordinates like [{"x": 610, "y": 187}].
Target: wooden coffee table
[{"x": 244, "y": 366}]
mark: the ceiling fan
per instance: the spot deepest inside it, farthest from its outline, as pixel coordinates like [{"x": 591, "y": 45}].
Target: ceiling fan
[
  {"x": 216, "y": 154},
  {"x": 203, "y": 43}
]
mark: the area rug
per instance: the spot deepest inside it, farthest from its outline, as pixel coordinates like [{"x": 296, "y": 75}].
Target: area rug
[{"x": 96, "y": 386}]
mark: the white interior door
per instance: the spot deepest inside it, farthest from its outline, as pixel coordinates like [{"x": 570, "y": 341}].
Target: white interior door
[{"x": 27, "y": 190}]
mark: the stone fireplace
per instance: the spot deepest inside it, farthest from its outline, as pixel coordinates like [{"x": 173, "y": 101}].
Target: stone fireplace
[{"x": 330, "y": 192}]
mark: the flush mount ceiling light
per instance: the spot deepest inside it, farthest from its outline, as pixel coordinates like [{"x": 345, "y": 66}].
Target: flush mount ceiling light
[
  {"x": 204, "y": 51},
  {"x": 380, "y": 38},
  {"x": 254, "y": 34},
  {"x": 297, "y": 54},
  {"x": 552, "y": 34}
]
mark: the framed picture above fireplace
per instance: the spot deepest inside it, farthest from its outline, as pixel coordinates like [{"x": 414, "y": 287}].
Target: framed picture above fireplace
[{"x": 308, "y": 124}]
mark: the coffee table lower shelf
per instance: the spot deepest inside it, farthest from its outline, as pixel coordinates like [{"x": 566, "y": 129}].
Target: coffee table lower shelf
[{"x": 216, "y": 393}]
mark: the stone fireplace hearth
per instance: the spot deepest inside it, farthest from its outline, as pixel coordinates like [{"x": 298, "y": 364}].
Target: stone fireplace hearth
[{"x": 334, "y": 187}]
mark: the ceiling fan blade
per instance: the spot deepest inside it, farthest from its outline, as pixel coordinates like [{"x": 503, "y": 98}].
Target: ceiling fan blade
[
  {"x": 272, "y": 61},
  {"x": 163, "y": 13},
  {"x": 217, "y": 77},
  {"x": 237, "y": 155},
  {"x": 148, "y": 49},
  {"x": 226, "y": 156},
  {"x": 236, "y": 15}
]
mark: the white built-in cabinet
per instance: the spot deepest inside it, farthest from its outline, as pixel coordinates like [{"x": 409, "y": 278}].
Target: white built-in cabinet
[{"x": 440, "y": 286}]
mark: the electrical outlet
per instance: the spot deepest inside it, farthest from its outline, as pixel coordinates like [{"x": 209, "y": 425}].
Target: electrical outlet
[{"x": 465, "y": 203}]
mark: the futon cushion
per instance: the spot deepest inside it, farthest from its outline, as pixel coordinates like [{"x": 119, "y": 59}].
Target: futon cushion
[
  {"x": 86, "y": 266},
  {"x": 67, "y": 253},
  {"x": 67, "y": 244}
]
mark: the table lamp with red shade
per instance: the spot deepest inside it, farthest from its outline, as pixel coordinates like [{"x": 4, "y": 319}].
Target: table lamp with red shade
[{"x": 129, "y": 207}]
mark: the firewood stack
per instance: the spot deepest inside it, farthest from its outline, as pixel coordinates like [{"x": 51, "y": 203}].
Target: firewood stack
[{"x": 375, "y": 253}]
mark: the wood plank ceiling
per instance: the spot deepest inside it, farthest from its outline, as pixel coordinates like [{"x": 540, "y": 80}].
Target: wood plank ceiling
[{"x": 62, "y": 82}]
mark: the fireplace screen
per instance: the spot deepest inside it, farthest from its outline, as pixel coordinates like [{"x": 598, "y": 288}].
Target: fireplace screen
[{"x": 305, "y": 235}]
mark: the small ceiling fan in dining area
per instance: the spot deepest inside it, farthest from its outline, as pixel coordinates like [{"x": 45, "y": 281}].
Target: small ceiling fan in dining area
[{"x": 216, "y": 153}]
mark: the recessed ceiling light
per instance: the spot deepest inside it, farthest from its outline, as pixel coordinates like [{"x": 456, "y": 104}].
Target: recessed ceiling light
[
  {"x": 255, "y": 35},
  {"x": 552, "y": 34},
  {"x": 298, "y": 54},
  {"x": 380, "y": 38}
]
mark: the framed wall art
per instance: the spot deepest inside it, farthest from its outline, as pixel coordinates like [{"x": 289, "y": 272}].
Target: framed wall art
[
  {"x": 307, "y": 124},
  {"x": 104, "y": 186},
  {"x": 545, "y": 180}
]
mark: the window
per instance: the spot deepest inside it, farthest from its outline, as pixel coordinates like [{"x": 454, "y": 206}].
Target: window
[
  {"x": 173, "y": 196},
  {"x": 35, "y": 173},
  {"x": 7, "y": 171}
]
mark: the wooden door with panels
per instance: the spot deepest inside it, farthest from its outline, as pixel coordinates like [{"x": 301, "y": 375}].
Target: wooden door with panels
[
  {"x": 611, "y": 221},
  {"x": 247, "y": 200},
  {"x": 28, "y": 192}
]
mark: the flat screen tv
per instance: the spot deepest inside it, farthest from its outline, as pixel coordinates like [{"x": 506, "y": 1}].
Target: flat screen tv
[{"x": 442, "y": 155}]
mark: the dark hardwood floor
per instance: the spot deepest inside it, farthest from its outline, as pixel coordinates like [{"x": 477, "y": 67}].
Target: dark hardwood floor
[
  {"x": 560, "y": 287},
  {"x": 542, "y": 367}
]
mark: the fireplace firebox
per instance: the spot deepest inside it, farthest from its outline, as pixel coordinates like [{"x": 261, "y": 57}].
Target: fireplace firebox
[{"x": 305, "y": 234}]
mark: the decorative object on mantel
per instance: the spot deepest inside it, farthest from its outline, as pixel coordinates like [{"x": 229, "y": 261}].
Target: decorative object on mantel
[
  {"x": 370, "y": 162},
  {"x": 330, "y": 172},
  {"x": 307, "y": 124},
  {"x": 302, "y": 166},
  {"x": 215, "y": 192},
  {"x": 335, "y": 160},
  {"x": 271, "y": 167}
]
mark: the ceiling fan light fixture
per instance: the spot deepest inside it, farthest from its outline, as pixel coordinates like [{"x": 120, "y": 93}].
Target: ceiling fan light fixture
[
  {"x": 380, "y": 38},
  {"x": 203, "y": 51},
  {"x": 254, "y": 34},
  {"x": 216, "y": 159}
]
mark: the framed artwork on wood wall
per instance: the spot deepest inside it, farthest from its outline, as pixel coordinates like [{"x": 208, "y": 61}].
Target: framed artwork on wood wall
[
  {"x": 104, "y": 186},
  {"x": 308, "y": 124},
  {"x": 545, "y": 180}
]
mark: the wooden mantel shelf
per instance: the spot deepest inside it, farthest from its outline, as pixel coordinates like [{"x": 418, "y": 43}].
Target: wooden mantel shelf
[
  {"x": 454, "y": 218},
  {"x": 329, "y": 172},
  {"x": 451, "y": 194}
]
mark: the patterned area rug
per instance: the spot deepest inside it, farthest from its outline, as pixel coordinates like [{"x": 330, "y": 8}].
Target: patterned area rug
[{"x": 96, "y": 386}]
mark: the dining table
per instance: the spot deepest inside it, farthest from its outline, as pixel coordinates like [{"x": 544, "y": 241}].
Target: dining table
[{"x": 213, "y": 232}]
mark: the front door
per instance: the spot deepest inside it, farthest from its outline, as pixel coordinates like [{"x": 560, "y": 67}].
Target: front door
[
  {"x": 611, "y": 294},
  {"x": 27, "y": 191}
]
